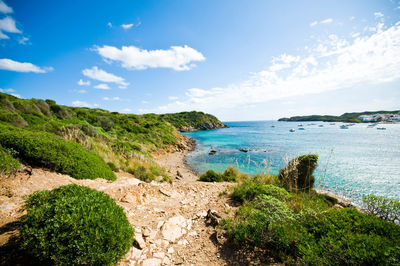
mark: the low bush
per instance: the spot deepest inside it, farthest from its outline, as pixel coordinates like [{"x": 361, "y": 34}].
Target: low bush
[
  {"x": 147, "y": 171},
  {"x": 249, "y": 190},
  {"x": 231, "y": 174},
  {"x": 297, "y": 175},
  {"x": 211, "y": 176},
  {"x": 13, "y": 118},
  {"x": 253, "y": 220},
  {"x": 8, "y": 164},
  {"x": 339, "y": 237},
  {"x": 384, "y": 208},
  {"x": 75, "y": 225},
  {"x": 47, "y": 150}
]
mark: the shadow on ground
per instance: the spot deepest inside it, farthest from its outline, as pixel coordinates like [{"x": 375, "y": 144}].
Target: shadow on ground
[{"x": 10, "y": 253}]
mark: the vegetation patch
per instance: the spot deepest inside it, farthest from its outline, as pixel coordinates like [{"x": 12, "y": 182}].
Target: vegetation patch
[
  {"x": 8, "y": 164},
  {"x": 231, "y": 174},
  {"x": 49, "y": 151},
  {"x": 302, "y": 227},
  {"x": 298, "y": 174},
  {"x": 75, "y": 225}
]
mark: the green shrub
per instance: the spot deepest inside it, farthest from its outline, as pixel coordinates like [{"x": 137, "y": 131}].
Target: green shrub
[
  {"x": 253, "y": 220},
  {"x": 384, "y": 208},
  {"x": 231, "y": 174},
  {"x": 249, "y": 190},
  {"x": 13, "y": 118},
  {"x": 340, "y": 237},
  {"x": 75, "y": 225},
  {"x": 211, "y": 176},
  {"x": 149, "y": 172},
  {"x": 50, "y": 151},
  {"x": 8, "y": 164},
  {"x": 297, "y": 175}
]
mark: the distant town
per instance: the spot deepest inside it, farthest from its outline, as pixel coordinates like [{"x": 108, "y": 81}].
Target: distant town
[{"x": 383, "y": 118}]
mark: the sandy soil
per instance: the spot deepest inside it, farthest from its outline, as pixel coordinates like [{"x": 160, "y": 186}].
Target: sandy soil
[{"x": 171, "y": 227}]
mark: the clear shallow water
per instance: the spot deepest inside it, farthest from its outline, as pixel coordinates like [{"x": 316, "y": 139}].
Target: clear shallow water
[{"x": 352, "y": 162}]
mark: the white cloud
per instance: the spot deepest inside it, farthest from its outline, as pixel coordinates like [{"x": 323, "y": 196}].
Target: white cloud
[
  {"x": 126, "y": 110},
  {"x": 81, "y": 91},
  {"x": 17, "y": 95},
  {"x": 102, "y": 86},
  {"x": 327, "y": 21},
  {"x": 378, "y": 14},
  {"x": 83, "y": 104},
  {"x": 145, "y": 102},
  {"x": 126, "y": 26},
  {"x": 177, "y": 57},
  {"x": 24, "y": 40},
  {"x": 109, "y": 24},
  {"x": 173, "y": 98},
  {"x": 4, "y": 8},
  {"x": 83, "y": 83},
  {"x": 371, "y": 59},
  {"x": 7, "y": 90},
  {"x": 101, "y": 75},
  {"x": 11, "y": 65},
  {"x": 111, "y": 99},
  {"x": 7, "y": 24}
]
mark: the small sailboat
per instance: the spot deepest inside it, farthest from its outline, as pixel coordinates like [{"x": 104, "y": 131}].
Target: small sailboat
[
  {"x": 301, "y": 128},
  {"x": 344, "y": 127},
  {"x": 292, "y": 130}
]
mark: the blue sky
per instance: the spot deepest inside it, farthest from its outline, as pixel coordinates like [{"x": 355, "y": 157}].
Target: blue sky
[{"x": 239, "y": 60}]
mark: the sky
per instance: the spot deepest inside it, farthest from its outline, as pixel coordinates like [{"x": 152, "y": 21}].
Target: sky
[{"x": 238, "y": 60}]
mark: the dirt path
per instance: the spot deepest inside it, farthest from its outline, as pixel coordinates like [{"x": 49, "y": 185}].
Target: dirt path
[{"x": 169, "y": 219}]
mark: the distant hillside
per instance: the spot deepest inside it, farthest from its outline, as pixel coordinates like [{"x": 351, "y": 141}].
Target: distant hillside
[
  {"x": 346, "y": 117},
  {"x": 124, "y": 141},
  {"x": 192, "y": 121}
]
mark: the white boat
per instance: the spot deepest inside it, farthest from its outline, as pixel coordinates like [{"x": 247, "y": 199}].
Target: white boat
[
  {"x": 301, "y": 128},
  {"x": 381, "y": 128},
  {"x": 292, "y": 130},
  {"x": 344, "y": 127}
]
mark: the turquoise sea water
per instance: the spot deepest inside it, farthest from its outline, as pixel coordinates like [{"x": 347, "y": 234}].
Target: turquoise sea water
[{"x": 352, "y": 162}]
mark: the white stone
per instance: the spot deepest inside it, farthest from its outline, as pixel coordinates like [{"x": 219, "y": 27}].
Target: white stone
[
  {"x": 166, "y": 261},
  {"x": 135, "y": 253},
  {"x": 151, "y": 262},
  {"x": 139, "y": 239},
  {"x": 159, "y": 255},
  {"x": 171, "y": 250},
  {"x": 173, "y": 228}
]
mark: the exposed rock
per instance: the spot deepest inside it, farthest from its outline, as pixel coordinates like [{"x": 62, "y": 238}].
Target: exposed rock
[
  {"x": 139, "y": 240},
  {"x": 244, "y": 150},
  {"x": 212, "y": 152},
  {"x": 213, "y": 217},
  {"x": 173, "y": 228},
  {"x": 146, "y": 232},
  {"x": 151, "y": 262},
  {"x": 165, "y": 192},
  {"x": 166, "y": 261},
  {"x": 159, "y": 255},
  {"x": 179, "y": 174}
]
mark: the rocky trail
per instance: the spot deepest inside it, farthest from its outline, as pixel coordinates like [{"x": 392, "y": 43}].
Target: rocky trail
[{"x": 174, "y": 223}]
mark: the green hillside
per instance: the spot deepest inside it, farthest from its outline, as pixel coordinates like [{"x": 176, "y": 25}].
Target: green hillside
[
  {"x": 346, "y": 117},
  {"x": 192, "y": 121},
  {"x": 123, "y": 141}
]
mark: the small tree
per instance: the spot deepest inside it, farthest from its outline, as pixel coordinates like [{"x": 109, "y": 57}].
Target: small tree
[
  {"x": 298, "y": 174},
  {"x": 384, "y": 208}
]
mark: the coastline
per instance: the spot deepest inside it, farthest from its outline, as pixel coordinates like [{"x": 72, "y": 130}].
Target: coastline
[{"x": 191, "y": 146}]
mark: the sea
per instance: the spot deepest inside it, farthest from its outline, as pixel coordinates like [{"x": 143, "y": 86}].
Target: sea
[{"x": 352, "y": 163}]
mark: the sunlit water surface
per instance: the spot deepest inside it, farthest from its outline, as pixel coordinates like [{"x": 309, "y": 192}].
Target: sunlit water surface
[{"x": 353, "y": 162}]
